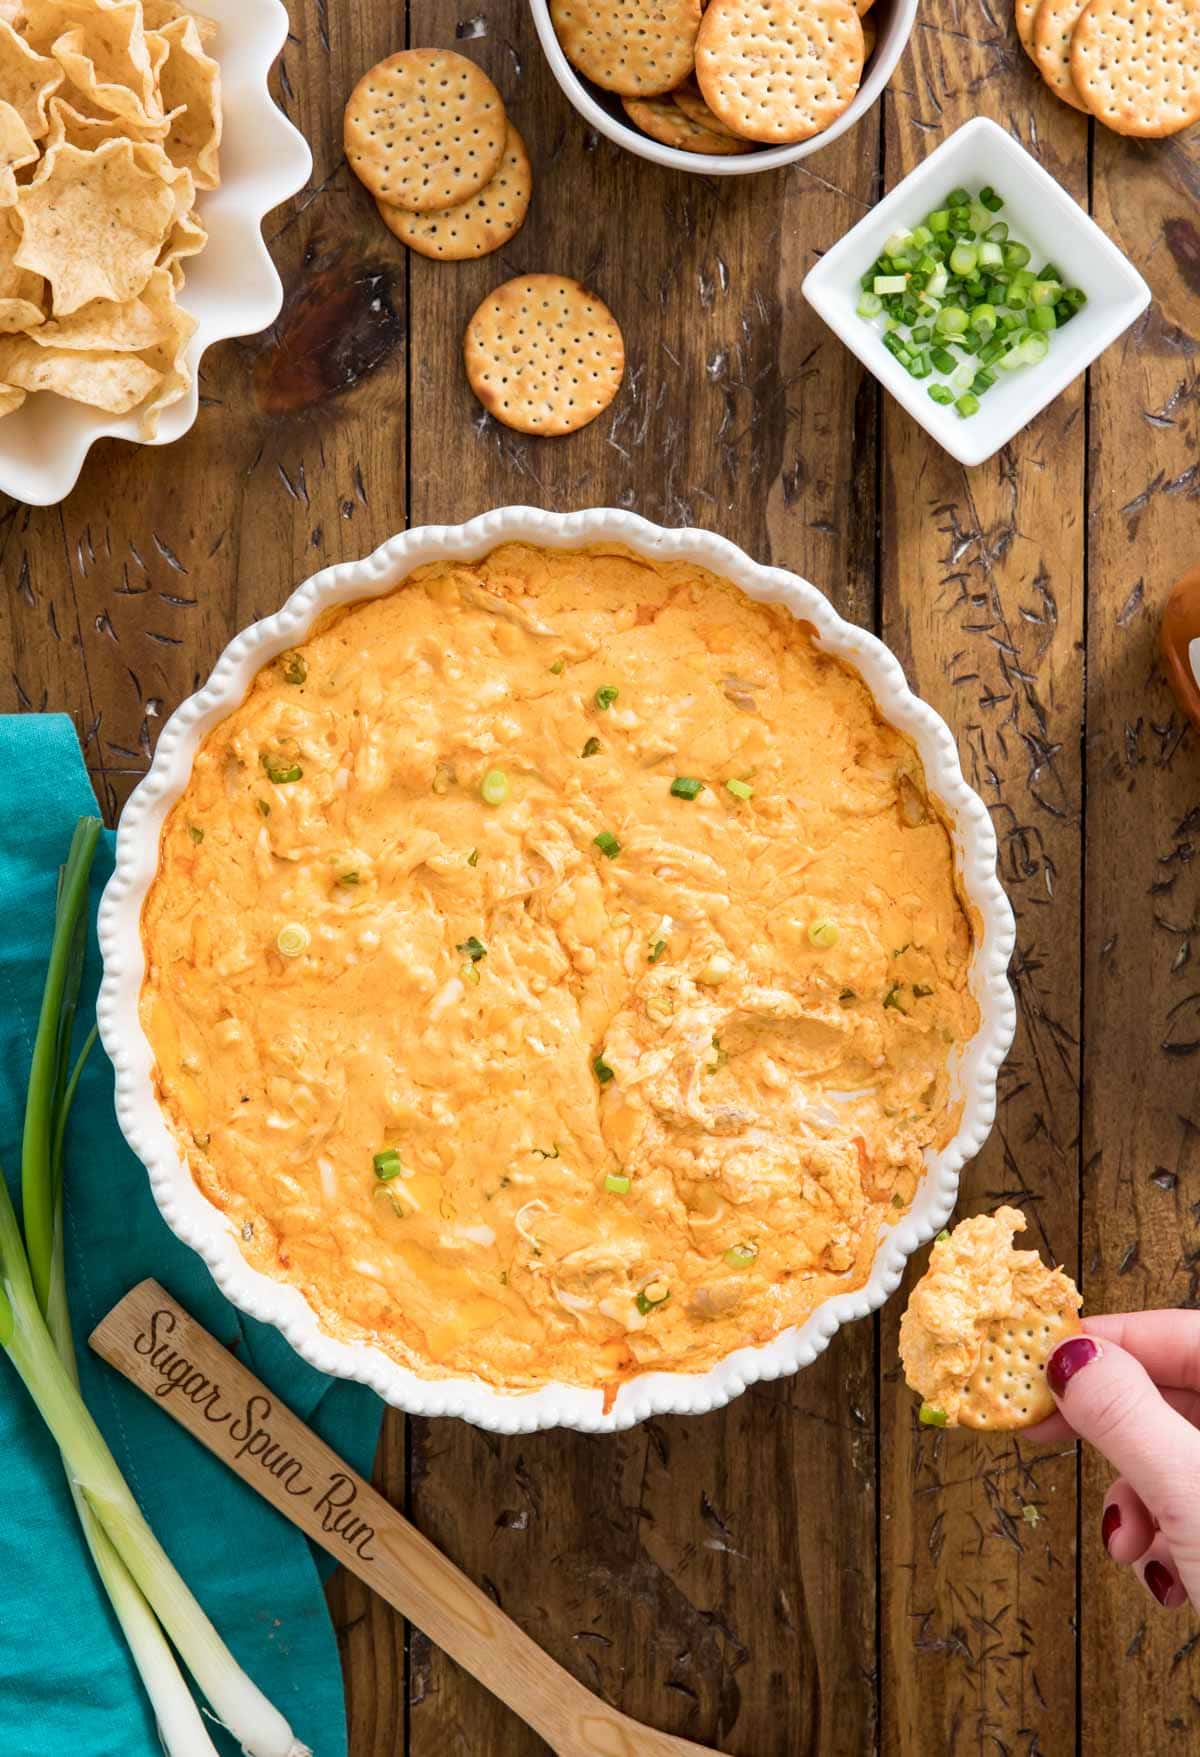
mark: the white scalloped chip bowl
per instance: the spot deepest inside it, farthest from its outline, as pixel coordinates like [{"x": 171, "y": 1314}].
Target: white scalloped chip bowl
[
  {"x": 232, "y": 286},
  {"x": 208, "y": 1231}
]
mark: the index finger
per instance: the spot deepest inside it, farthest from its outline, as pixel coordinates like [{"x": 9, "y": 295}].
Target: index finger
[{"x": 1167, "y": 1343}]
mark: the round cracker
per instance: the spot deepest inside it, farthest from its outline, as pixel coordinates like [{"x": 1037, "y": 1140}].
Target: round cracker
[
  {"x": 636, "y": 48},
  {"x": 477, "y": 226},
  {"x": 663, "y": 120},
  {"x": 690, "y": 100},
  {"x": 544, "y": 355},
  {"x": 868, "y": 38},
  {"x": 1136, "y": 64},
  {"x": 776, "y": 72},
  {"x": 1052, "y": 27},
  {"x": 424, "y": 129},
  {"x": 1025, "y": 14},
  {"x": 1008, "y": 1388}
]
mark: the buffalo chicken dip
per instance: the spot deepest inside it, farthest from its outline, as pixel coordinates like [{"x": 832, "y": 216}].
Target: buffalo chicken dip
[{"x": 554, "y": 968}]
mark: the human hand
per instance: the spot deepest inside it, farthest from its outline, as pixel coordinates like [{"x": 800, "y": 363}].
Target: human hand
[{"x": 1130, "y": 1386}]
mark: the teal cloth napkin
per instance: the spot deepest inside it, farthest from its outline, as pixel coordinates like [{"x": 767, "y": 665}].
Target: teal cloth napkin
[{"x": 67, "y": 1687}]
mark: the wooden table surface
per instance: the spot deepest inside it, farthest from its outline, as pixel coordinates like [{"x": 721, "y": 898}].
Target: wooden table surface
[{"x": 807, "y": 1571}]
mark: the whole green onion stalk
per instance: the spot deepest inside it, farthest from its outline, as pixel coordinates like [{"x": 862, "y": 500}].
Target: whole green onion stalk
[{"x": 147, "y": 1594}]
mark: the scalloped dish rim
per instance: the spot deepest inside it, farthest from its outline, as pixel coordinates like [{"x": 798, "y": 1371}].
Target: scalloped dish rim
[{"x": 206, "y": 1230}]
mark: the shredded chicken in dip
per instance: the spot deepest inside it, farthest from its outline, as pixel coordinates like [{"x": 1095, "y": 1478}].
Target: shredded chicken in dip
[{"x": 554, "y": 968}]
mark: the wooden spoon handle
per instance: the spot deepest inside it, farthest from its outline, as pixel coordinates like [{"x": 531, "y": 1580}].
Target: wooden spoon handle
[{"x": 173, "y": 1359}]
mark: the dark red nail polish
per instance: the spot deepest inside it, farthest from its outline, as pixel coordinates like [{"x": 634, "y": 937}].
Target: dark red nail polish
[
  {"x": 1068, "y": 1359},
  {"x": 1160, "y": 1580},
  {"x": 1110, "y": 1524}
]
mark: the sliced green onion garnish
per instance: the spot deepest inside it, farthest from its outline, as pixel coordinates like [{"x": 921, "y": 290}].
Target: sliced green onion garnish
[
  {"x": 469, "y": 973},
  {"x": 473, "y": 857},
  {"x": 293, "y": 939},
  {"x": 930, "y": 1416},
  {"x": 295, "y": 668},
  {"x": 616, "y": 1184},
  {"x": 196, "y": 833},
  {"x": 387, "y": 1164},
  {"x": 892, "y": 997},
  {"x": 606, "y": 695},
  {"x": 967, "y": 404},
  {"x": 347, "y": 878},
  {"x": 591, "y": 747},
  {"x": 740, "y": 789},
  {"x": 263, "y": 808},
  {"x": 655, "y": 1293},
  {"x": 602, "y": 1070},
  {"x": 823, "y": 933},
  {"x": 474, "y": 948},
  {"x": 741, "y": 1256},
  {"x": 656, "y": 951},
  {"x": 686, "y": 787},
  {"x": 607, "y": 844},
  {"x": 941, "y": 1235},
  {"x": 941, "y": 393},
  {"x": 494, "y": 787},
  {"x": 847, "y": 995},
  {"x": 888, "y": 284},
  {"x": 869, "y": 305},
  {"x": 558, "y": 666}
]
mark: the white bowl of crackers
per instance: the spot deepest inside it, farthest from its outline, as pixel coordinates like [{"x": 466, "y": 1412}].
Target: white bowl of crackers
[
  {"x": 140, "y": 150},
  {"x": 728, "y": 88}
]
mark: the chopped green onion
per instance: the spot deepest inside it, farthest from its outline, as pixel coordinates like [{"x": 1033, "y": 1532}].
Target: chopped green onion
[
  {"x": 656, "y": 951},
  {"x": 847, "y": 995},
  {"x": 943, "y": 359},
  {"x": 958, "y": 198},
  {"x": 474, "y": 948},
  {"x": 617, "y": 1184},
  {"x": 951, "y": 320},
  {"x": 941, "y": 393},
  {"x": 823, "y": 933},
  {"x": 889, "y": 284},
  {"x": 741, "y": 1256},
  {"x": 607, "y": 844},
  {"x": 963, "y": 259},
  {"x": 1042, "y": 318},
  {"x": 943, "y": 1234},
  {"x": 473, "y": 857},
  {"x": 930, "y": 1416},
  {"x": 606, "y": 695},
  {"x": 990, "y": 199},
  {"x": 263, "y": 807},
  {"x": 347, "y": 878},
  {"x": 469, "y": 973},
  {"x": 494, "y": 787},
  {"x": 196, "y": 833},
  {"x": 388, "y": 1165},
  {"x": 686, "y": 787},
  {"x": 293, "y": 939},
  {"x": 295, "y": 668},
  {"x": 591, "y": 747},
  {"x": 281, "y": 772},
  {"x": 892, "y": 997},
  {"x": 740, "y": 789},
  {"x": 602, "y": 1070},
  {"x": 557, "y": 667},
  {"x": 869, "y": 305},
  {"x": 967, "y": 404},
  {"x": 655, "y": 1293}
]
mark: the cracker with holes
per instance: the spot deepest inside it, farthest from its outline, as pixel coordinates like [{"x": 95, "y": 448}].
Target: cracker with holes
[
  {"x": 777, "y": 72},
  {"x": 690, "y": 99},
  {"x": 1025, "y": 15},
  {"x": 474, "y": 227},
  {"x": 636, "y": 48},
  {"x": 664, "y": 120},
  {"x": 1136, "y": 64},
  {"x": 543, "y": 355},
  {"x": 1052, "y": 30},
  {"x": 424, "y": 129},
  {"x": 981, "y": 1324}
]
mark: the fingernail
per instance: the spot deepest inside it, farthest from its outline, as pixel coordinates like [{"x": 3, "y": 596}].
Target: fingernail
[
  {"x": 1160, "y": 1580},
  {"x": 1110, "y": 1524},
  {"x": 1068, "y": 1359}
]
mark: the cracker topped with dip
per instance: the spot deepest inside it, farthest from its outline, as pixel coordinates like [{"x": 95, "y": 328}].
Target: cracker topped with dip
[
  {"x": 555, "y": 968},
  {"x": 981, "y": 1324}
]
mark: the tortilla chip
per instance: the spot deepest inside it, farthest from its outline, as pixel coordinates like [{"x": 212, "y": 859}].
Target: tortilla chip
[
  {"x": 109, "y": 61},
  {"x": 71, "y": 124},
  {"x": 11, "y": 397},
  {"x": 159, "y": 13},
  {"x": 21, "y": 293},
  {"x": 190, "y": 87},
  {"x": 151, "y": 156},
  {"x": 26, "y": 79},
  {"x": 17, "y": 149},
  {"x": 103, "y": 326},
  {"x": 93, "y": 223},
  {"x": 113, "y": 382},
  {"x": 169, "y": 355},
  {"x": 187, "y": 237}
]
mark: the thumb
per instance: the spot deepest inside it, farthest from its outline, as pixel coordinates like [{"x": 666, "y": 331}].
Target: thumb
[{"x": 1112, "y": 1402}]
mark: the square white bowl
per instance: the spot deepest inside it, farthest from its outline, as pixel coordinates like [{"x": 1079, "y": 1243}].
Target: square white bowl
[{"x": 1040, "y": 213}]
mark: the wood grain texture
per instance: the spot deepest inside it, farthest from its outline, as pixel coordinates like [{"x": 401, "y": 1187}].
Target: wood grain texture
[
  {"x": 805, "y": 1574},
  {"x": 1141, "y": 1123},
  {"x": 983, "y": 602}
]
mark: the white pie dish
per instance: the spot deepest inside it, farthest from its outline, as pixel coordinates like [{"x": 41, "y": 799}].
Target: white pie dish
[
  {"x": 232, "y": 287},
  {"x": 206, "y": 1230}
]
